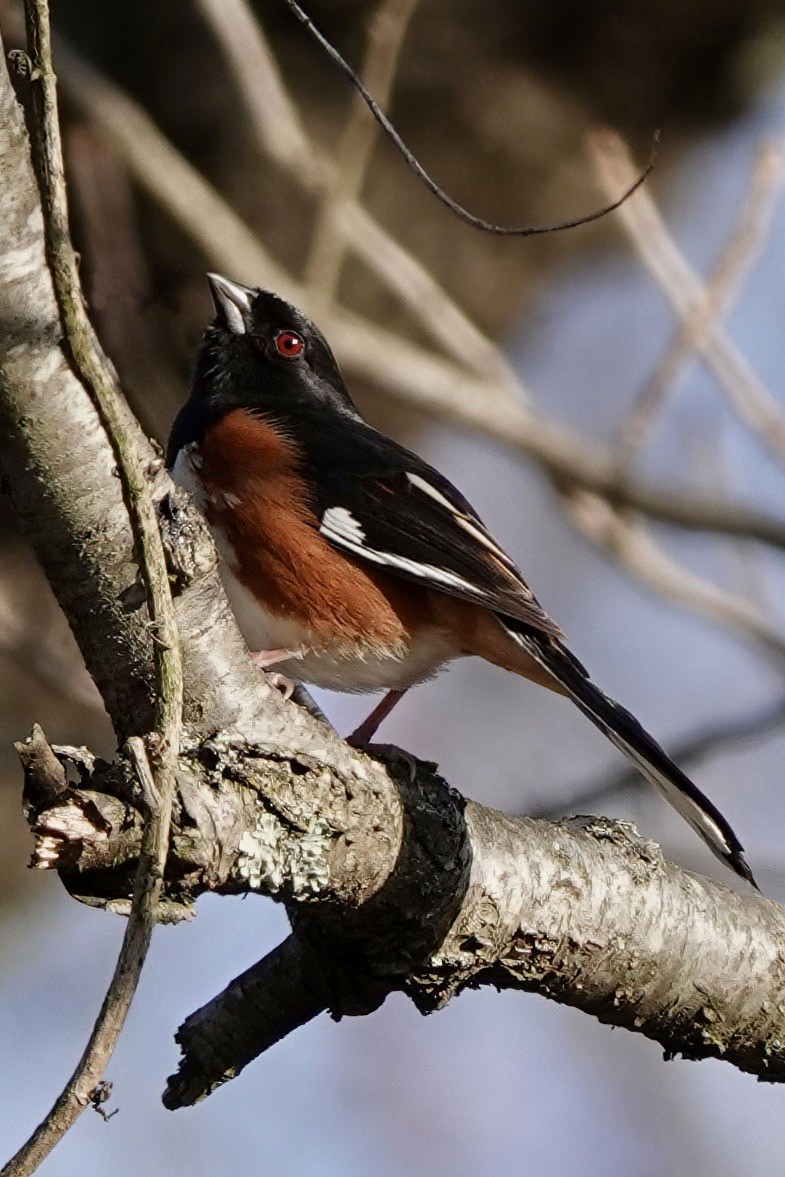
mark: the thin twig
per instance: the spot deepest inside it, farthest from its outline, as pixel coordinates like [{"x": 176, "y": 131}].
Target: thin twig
[
  {"x": 631, "y": 546},
  {"x": 639, "y": 217},
  {"x": 386, "y": 33},
  {"x": 78, "y": 1091},
  {"x": 97, "y": 379},
  {"x": 399, "y": 368},
  {"x": 421, "y": 174},
  {"x": 722, "y": 291},
  {"x": 97, "y": 376}
]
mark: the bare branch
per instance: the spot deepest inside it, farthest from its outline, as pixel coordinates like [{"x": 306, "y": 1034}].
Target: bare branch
[
  {"x": 96, "y": 376},
  {"x": 532, "y": 919},
  {"x": 276, "y": 121},
  {"x": 754, "y": 404},
  {"x": 271, "y": 999},
  {"x": 722, "y": 291},
  {"x": 387, "y": 29},
  {"x": 710, "y": 741},
  {"x": 637, "y": 551},
  {"x": 77, "y": 1093},
  {"x": 405, "y": 885}
]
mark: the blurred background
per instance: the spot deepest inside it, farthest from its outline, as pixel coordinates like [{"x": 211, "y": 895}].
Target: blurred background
[{"x": 685, "y": 628}]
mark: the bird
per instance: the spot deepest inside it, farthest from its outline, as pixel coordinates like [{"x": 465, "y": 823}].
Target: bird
[{"x": 353, "y": 563}]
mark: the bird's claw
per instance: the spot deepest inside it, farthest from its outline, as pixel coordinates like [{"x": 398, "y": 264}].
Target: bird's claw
[{"x": 281, "y": 683}]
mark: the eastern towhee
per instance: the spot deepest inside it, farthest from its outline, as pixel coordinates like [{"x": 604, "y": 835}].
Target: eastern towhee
[{"x": 365, "y": 569}]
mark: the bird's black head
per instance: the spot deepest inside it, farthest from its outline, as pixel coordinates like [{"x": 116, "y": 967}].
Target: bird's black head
[{"x": 262, "y": 353}]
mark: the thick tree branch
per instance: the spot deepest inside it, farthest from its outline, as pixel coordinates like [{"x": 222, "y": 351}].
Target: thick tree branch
[
  {"x": 583, "y": 911},
  {"x": 574, "y": 910}
]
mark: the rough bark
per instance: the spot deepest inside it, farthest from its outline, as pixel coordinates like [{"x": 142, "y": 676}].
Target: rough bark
[{"x": 390, "y": 883}]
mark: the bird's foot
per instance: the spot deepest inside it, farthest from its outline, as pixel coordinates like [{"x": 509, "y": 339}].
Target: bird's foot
[
  {"x": 281, "y": 683},
  {"x": 264, "y": 659}
]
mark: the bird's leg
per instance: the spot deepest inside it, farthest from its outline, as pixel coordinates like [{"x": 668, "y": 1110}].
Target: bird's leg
[
  {"x": 264, "y": 659},
  {"x": 367, "y": 729},
  {"x": 362, "y": 736}
]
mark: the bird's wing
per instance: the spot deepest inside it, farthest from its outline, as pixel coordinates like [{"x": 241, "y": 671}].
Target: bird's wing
[{"x": 384, "y": 504}]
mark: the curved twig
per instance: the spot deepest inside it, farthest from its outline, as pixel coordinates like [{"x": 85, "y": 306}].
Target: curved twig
[
  {"x": 157, "y": 786},
  {"x": 421, "y": 174}
]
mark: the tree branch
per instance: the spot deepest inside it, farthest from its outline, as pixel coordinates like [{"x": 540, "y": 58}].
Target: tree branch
[
  {"x": 635, "y": 549},
  {"x": 739, "y": 255},
  {"x": 387, "y": 29},
  {"x": 576, "y": 910},
  {"x": 703, "y": 744},
  {"x": 268, "y": 1001},
  {"x": 407, "y": 886}
]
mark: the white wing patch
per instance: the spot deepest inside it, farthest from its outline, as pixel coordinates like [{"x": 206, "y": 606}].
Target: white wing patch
[
  {"x": 339, "y": 525},
  {"x": 431, "y": 491}
]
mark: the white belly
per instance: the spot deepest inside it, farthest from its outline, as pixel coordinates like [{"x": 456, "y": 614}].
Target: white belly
[{"x": 335, "y": 668}]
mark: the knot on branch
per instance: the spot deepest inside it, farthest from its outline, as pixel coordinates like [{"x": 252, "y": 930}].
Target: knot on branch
[
  {"x": 255, "y": 818},
  {"x": 188, "y": 547},
  {"x": 372, "y": 866}
]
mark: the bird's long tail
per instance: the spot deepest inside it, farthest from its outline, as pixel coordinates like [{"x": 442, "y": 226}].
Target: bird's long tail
[{"x": 623, "y": 730}]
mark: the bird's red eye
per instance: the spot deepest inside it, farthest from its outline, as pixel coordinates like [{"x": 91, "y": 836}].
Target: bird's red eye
[{"x": 289, "y": 344}]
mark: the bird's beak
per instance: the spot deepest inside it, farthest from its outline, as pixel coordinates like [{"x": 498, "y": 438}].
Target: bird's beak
[{"x": 232, "y": 302}]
